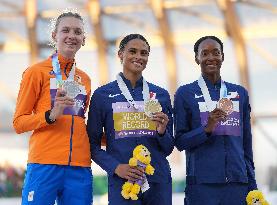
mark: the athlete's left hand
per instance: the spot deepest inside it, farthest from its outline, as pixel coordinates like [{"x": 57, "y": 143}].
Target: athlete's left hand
[{"x": 161, "y": 120}]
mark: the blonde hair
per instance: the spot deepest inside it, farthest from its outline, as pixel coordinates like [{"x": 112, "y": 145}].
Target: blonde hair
[{"x": 54, "y": 23}]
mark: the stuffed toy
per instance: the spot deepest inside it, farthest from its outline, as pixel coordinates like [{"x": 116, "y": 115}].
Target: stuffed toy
[
  {"x": 255, "y": 197},
  {"x": 141, "y": 158}
]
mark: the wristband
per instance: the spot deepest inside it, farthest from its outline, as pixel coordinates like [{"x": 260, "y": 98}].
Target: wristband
[{"x": 47, "y": 117}]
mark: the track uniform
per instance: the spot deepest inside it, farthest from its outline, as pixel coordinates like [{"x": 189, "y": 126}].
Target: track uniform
[
  {"x": 219, "y": 167},
  {"x": 125, "y": 128},
  {"x": 59, "y": 154}
]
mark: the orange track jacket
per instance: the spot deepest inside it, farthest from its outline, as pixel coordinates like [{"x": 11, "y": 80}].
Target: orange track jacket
[{"x": 64, "y": 142}]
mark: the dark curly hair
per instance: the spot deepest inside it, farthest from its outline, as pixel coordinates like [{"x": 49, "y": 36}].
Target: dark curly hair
[
  {"x": 200, "y": 40},
  {"x": 130, "y": 37}
]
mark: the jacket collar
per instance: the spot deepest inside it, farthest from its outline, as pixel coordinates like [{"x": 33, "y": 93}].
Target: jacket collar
[
  {"x": 65, "y": 63},
  {"x": 211, "y": 85},
  {"x": 139, "y": 82}
]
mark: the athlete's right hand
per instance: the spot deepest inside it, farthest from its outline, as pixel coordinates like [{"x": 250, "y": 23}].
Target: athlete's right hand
[
  {"x": 132, "y": 174},
  {"x": 60, "y": 103},
  {"x": 214, "y": 117}
]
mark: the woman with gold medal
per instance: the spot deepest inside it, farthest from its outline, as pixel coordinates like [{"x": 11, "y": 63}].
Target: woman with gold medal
[
  {"x": 132, "y": 111},
  {"x": 212, "y": 124}
]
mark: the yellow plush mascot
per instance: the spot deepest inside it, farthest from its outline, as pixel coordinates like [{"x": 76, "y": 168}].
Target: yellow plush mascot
[
  {"x": 256, "y": 197},
  {"x": 141, "y": 158}
]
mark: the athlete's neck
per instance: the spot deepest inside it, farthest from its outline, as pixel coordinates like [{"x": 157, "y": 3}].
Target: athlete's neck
[
  {"x": 132, "y": 77},
  {"x": 213, "y": 78},
  {"x": 67, "y": 56}
]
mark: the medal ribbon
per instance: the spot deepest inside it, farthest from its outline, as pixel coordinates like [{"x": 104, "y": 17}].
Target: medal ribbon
[
  {"x": 125, "y": 91},
  {"x": 57, "y": 71},
  {"x": 204, "y": 89}
]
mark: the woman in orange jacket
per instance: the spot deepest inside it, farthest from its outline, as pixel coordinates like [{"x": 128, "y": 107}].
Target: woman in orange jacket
[{"x": 52, "y": 101}]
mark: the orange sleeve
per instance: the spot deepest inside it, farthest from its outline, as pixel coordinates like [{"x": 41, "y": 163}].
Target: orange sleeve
[{"x": 25, "y": 119}]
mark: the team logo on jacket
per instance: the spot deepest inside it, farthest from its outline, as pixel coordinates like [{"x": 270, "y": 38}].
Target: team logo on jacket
[
  {"x": 78, "y": 79},
  {"x": 31, "y": 195},
  {"x": 152, "y": 95}
]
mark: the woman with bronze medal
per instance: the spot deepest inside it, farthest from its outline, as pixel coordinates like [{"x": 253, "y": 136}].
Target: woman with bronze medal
[
  {"x": 212, "y": 124},
  {"x": 52, "y": 101},
  {"x": 132, "y": 111}
]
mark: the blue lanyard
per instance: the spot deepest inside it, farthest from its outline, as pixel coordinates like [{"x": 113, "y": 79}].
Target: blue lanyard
[
  {"x": 204, "y": 89},
  {"x": 58, "y": 73},
  {"x": 223, "y": 90},
  {"x": 57, "y": 70}
]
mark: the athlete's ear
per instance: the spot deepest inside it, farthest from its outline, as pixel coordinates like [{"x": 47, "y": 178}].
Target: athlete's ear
[
  {"x": 84, "y": 41},
  {"x": 54, "y": 36},
  {"x": 120, "y": 55},
  {"x": 196, "y": 59}
]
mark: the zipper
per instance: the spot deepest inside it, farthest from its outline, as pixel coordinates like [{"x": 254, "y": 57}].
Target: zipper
[
  {"x": 71, "y": 135},
  {"x": 225, "y": 152},
  {"x": 65, "y": 70},
  {"x": 72, "y": 126},
  {"x": 216, "y": 88}
]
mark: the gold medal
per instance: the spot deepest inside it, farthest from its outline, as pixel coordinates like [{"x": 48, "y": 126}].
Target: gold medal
[
  {"x": 72, "y": 88},
  {"x": 152, "y": 106},
  {"x": 226, "y": 105}
]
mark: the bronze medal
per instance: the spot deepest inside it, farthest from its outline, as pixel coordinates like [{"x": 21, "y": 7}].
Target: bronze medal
[{"x": 226, "y": 105}]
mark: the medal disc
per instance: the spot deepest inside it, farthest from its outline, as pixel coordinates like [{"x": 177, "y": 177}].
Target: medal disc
[
  {"x": 226, "y": 105},
  {"x": 152, "y": 106},
  {"x": 72, "y": 88}
]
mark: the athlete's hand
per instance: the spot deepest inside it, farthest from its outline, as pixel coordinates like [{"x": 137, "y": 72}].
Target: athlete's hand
[
  {"x": 214, "y": 117},
  {"x": 60, "y": 103},
  {"x": 132, "y": 174},
  {"x": 161, "y": 120}
]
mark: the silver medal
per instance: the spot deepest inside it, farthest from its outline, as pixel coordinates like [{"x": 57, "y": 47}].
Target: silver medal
[{"x": 72, "y": 88}]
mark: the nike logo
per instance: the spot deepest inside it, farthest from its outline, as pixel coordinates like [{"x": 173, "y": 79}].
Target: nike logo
[
  {"x": 112, "y": 96},
  {"x": 198, "y": 96},
  {"x": 231, "y": 95}
]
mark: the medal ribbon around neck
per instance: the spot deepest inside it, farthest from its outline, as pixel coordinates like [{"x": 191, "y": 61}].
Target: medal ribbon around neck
[
  {"x": 125, "y": 91},
  {"x": 204, "y": 89},
  {"x": 57, "y": 71}
]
